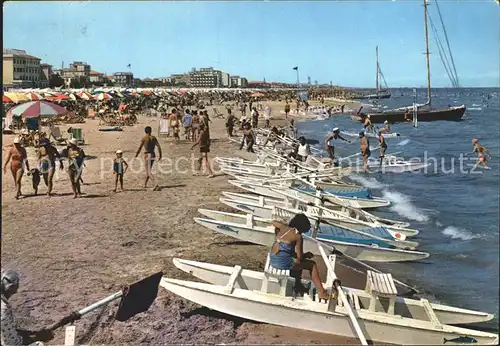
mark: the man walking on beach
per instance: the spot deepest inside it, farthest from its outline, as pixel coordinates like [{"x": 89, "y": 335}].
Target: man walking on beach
[{"x": 149, "y": 143}]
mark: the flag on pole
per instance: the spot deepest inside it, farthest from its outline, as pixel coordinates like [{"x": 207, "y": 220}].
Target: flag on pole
[{"x": 296, "y": 68}]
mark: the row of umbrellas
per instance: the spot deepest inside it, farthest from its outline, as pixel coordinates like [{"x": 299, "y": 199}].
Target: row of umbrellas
[{"x": 11, "y": 97}]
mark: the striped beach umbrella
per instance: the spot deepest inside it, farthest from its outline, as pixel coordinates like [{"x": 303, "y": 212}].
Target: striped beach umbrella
[
  {"x": 58, "y": 97},
  {"x": 85, "y": 95},
  {"x": 34, "y": 96},
  {"x": 35, "y": 109},
  {"x": 6, "y": 99},
  {"x": 103, "y": 96},
  {"x": 17, "y": 97}
]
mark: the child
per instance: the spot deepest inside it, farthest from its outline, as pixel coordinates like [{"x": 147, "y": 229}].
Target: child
[{"x": 120, "y": 166}]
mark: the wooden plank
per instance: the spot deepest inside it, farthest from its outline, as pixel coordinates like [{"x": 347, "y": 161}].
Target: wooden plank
[
  {"x": 430, "y": 311},
  {"x": 70, "y": 336},
  {"x": 393, "y": 285},
  {"x": 232, "y": 279},
  {"x": 268, "y": 263}
]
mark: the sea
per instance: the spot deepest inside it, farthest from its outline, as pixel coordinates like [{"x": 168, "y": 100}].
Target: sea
[{"x": 455, "y": 209}]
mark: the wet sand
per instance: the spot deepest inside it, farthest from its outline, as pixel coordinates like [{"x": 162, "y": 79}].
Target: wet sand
[{"x": 74, "y": 252}]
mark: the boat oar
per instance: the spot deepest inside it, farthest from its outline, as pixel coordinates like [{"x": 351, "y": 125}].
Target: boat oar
[
  {"x": 135, "y": 299},
  {"x": 347, "y": 306}
]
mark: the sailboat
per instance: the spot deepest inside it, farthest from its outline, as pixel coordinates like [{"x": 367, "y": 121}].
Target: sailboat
[
  {"x": 381, "y": 93},
  {"x": 425, "y": 112}
]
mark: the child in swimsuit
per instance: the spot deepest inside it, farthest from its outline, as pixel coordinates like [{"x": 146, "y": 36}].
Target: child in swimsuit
[{"x": 120, "y": 166}]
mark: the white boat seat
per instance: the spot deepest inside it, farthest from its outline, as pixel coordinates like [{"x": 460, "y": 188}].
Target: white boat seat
[
  {"x": 380, "y": 285},
  {"x": 281, "y": 275}
]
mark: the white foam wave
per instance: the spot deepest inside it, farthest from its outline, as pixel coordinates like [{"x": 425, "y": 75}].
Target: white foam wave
[
  {"x": 403, "y": 206},
  {"x": 369, "y": 182},
  {"x": 459, "y": 233},
  {"x": 474, "y": 109},
  {"x": 404, "y": 142},
  {"x": 439, "y": 224},
  {"x": 475, "y": 105}
]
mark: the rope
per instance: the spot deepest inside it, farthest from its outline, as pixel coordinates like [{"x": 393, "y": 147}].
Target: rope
[
  {"x": 447, "y": 42},
  {"x": 442, "y": 54}
]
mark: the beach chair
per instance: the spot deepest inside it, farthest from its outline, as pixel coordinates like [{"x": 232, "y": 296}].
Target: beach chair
[
  {"x": 78, "y": 135},
  {"x": 163, "y": 127},
  {"x": 55, "y": 132}
]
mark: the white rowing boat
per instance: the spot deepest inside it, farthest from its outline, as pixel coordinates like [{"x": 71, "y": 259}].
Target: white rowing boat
[
  {"x": 266, "y": 210},
  {"x": 352, "y": 315},
  {"x": 269, "y": 190},
  {"x": 252, "y": 280},
  {"x": 246, "y": 230},
  {"x": 372, "y": 134},
  {"x": 358, "y": 214},
  {"x": 391, "y": 164},
  {"x": 374, "y": 236}
]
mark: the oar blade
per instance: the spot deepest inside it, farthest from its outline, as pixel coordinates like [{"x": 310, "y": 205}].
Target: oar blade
[{"x": 138, "y": 297}]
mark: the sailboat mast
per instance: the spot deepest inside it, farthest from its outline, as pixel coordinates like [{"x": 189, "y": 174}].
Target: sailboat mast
[
  {"x": 376, "y": 78},
  {"x": 427, "y": 55}
]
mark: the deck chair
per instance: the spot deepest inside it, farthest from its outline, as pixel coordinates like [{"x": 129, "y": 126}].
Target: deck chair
[
  {"x": 55, "y": 132},
  {"x": 78, "y": 135},
  {"x": 163, "y": 128}
]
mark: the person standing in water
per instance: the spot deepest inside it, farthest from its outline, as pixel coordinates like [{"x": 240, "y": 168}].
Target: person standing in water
[
  {"x": 368, "y": 126},
  {"x": 365, "y": 149},
  {"x": 386, "y": 128},
  {"x": 149, "y": 143},
  {"x": 47, "y": 155},
  {"x": 383, "y": 146},
  {"x": 18, "y": 158},
  {"x": 482, "y": 152},
  {"x": 330, "y": 149}
]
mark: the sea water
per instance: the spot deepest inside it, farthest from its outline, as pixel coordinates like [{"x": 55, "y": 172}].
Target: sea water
[{"x": 456, "y": 212}]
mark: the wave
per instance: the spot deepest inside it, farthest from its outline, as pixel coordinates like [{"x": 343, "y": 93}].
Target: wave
[
  {"x": 404, "y": 142},
  {"x": 402, "y": 205},
  {"x": 474, "y": 109},
  {"x": 370, "y": 182},
  {"x": 459, "y": 233}
]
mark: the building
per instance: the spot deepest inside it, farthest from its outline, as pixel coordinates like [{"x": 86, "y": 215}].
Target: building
[
  {"x": 21, "y": 70},
  {"x": 205, "y": 77},
  {"x": 238, "y": 82},
  {"x": 123, "y": 79},
  {"x": 96, "y": 77},
  {"x": 225, "y": 80},
  {"x": 46, "y": 70},
  {"x": 78, "y": 71}
]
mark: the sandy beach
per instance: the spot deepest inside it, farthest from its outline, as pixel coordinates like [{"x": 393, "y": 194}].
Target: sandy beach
[{"x": 73, "y": 252}]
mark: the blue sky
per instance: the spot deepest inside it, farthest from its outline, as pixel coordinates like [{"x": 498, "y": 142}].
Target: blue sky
[{"x": 329, "y": 41}]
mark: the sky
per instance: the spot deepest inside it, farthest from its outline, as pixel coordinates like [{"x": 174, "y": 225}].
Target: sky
[{"x": 328, "y": 41}]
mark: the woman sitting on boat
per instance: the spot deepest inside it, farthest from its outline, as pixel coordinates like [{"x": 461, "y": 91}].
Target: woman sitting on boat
[{"x": 287, "y": 252}]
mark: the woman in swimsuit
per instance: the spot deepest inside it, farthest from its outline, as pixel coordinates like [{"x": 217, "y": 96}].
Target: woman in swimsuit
[
  {"x": 204, "y": 142},
  {"x": 47, "y": 156},
  {"x": 75, "y": 157},
  {"x": 481, "y": 153},
  {"x": 287, "y": 252},
  {"x": 18, "y": 157},
  {"x": 383, "y": 146}
]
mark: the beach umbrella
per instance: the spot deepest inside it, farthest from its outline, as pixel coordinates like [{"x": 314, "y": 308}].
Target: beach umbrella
[
  {"x": 6, "y": 99},
  {"x": 35, "y": 109},
  {"x": 85, "y": 95},
  {"x": 17, "y": 97},
  {"x": 103, "y": 96},
  {"x": 58, "y": 97},
  {"x": 34, "y": 96}
]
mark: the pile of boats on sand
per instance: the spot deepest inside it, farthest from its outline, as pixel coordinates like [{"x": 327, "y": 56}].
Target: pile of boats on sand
[{"x": 384, "y": 310}]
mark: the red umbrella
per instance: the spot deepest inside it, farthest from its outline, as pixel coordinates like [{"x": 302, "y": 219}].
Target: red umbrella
[
  {"x": 6, "y": 99},
  {"x": 35, "y": 109},
  {"x": 34, "y": 96},
  {"x": 57, "y": 97}
]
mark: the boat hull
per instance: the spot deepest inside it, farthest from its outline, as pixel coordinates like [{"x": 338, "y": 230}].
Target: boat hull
[
  {"x": 265, "y": 236},
  {"x": 313, "y": 316},
  {"x": 398, "y": 116},
  {"x": 252, "y": 280}
]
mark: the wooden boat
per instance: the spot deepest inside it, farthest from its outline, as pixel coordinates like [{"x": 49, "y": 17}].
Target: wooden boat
[
  {"x": 352, "y": 315},
  {"x": 252, "y": 280},
  {"x": 426, "y": 112},
  {"x": 290, "y": 200},
  {"x": 269, "y": 190},
  {"x": 244, "y": 229},
  {"x": 268, "y": 211},
  {"x": 375, "y": 236},
  {"x": 372, "y": 135}
]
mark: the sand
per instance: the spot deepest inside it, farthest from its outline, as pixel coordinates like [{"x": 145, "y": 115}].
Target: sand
[{"x": 73, "y": 252}]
